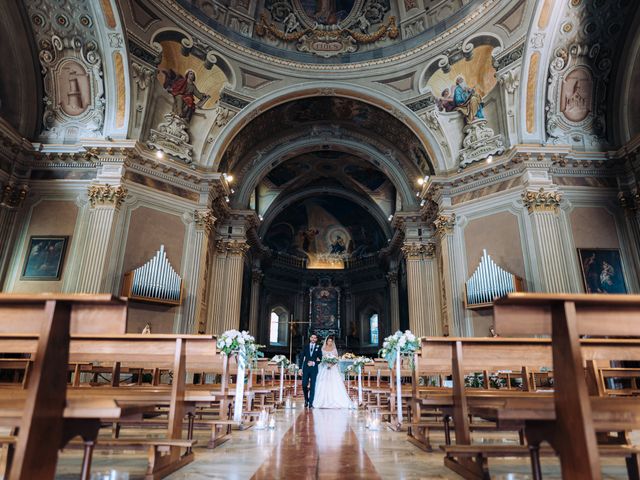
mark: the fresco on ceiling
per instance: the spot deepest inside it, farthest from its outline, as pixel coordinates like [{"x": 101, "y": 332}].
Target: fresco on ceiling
[
  {"x": 200, "y": 89},
  {"x": 327, "y": 12},
  {"x": 326, "y": 231},
  {"x": 342, "y": 166},
  {"x": 463, "y": 88},
  {"x": 331, "y": 111}
]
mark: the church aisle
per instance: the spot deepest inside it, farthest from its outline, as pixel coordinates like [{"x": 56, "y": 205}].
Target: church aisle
[{"x": 321, "y": 444}]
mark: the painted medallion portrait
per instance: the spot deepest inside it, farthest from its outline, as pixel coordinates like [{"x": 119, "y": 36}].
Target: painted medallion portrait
[{"x": 327, "y": 12}]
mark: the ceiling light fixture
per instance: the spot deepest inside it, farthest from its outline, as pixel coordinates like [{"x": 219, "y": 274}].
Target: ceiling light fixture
[{"x": 159, "y": 154}]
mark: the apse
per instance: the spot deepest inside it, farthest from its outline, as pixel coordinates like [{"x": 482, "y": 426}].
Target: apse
[{"x": 326, "y": 232}]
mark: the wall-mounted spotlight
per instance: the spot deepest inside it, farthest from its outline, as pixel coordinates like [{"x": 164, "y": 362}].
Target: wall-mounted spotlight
[
  {"x": 490, "y": 159},
  {"x": 159, "y": 154}
]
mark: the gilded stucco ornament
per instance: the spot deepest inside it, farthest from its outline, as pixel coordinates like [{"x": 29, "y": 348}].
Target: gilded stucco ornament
[
  {"x": 324, "y": 32},
  {"x": 416, "y": 251},
  {"x": 106, "y": 195},
  {"x": 204, "y": 219},
  {"x": 444, "y": 223},
  {"x": 541, "y": 200}
]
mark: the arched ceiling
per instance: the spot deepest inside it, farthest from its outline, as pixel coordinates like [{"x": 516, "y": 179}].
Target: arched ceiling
[{"x": 324, "y": 123}]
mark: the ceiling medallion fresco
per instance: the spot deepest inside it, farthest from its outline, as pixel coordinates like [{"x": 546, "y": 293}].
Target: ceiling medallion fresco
[{"x": 328, "y": 27}]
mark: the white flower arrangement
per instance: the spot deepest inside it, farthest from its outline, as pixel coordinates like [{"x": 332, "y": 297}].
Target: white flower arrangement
[
  {"x": 293, "y": 368},
  {"x": 240, "y": 343},
  {"x": 280, "y": 360},
  {"x": 348, "y": 356},
  {"x": 360, "y": 362},
  {"x": 406, "y": 342}
]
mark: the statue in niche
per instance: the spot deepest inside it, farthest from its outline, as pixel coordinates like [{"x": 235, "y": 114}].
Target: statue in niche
[
  {"x": 468, "y": 101},
  {"x": 184, "y": 92}
]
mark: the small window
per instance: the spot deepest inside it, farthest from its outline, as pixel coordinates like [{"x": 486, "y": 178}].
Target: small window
[
  {"x": 373, "y": 329},
  {"x": 278, "y": 326}
]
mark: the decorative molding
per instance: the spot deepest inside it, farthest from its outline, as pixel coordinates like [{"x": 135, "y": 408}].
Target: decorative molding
[
  {"x": 416, "y": 251},
  {"x": 444, "y": 224},
  {"x": 506, "y": 58},
  {"x": 106, "y": 194},
  {"x": 232, "y": 247},
  {"x": 172, "y": 137},
  {"x": 204, "y": 219},
  {"x": 13, "y": 195},
  {"x": 479, "y": 142},
  {"x": 425, "y": 102},
  {"x": 541, "y": 201}
]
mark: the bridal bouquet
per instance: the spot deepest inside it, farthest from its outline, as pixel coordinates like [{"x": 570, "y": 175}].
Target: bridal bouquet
[
  {"x": 241, "y": 343},
  {"x": 330, "y": 361},
  {"x": 406, "y": 343},
  {"x": 280, "y": 360}
]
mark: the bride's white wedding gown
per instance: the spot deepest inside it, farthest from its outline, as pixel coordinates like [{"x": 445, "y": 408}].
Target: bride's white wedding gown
[{"x": 330, "y": 390}]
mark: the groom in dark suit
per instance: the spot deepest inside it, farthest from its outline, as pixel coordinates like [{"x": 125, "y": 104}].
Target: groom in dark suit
[{"x": 311, "y": 357}]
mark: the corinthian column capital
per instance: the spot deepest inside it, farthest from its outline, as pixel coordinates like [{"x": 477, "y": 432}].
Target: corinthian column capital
[
  {"x": 106, "y": 195},
  {"x": 444, "y": 223},
  {"x": 232, "y": 247},
  {"x": 415, "y": 250},
  {"x": 204, "y": 219},
  {"x": 541, "y": 201}
]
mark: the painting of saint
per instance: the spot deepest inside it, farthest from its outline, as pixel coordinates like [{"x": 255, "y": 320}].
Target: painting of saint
[
  {"x": 467, "y": 101},
  {"x": 184, "y": 91},
  {"x": 602, "y": 271},
  {"x": 327, "y": 12}
]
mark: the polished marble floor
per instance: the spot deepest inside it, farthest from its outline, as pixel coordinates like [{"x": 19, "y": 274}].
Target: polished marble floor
[{"x": 318, "y": 444}]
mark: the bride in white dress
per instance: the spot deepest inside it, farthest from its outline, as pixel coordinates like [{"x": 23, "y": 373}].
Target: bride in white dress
[{"x": 330, "y": 390}]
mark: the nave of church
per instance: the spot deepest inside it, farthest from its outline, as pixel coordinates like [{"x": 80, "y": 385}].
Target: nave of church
[{"x": 424, "y": 214}]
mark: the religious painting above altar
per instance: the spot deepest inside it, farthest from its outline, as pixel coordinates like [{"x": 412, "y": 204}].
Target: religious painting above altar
[
  {"x": 326, "y": 232},
  {"x": 324, "y": 311}
]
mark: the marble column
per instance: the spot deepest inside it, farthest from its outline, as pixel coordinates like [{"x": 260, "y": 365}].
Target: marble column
[
  {"x": 451, "y": 271},
  {"x": 254, "y": 306},
  {"x": 194, "y": 271},
  {"x": 551, "y": 259},
  {"x": 423, "y": 296},
  {"x": 394, "y": 301},
  {"x": 94, "y": 272},
  {"x": 10, "y": 203}
]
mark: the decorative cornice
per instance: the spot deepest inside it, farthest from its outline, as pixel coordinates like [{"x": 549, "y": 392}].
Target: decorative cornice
[
  {"x": 204, "y": 219},
  {"x": 392, "y": 277},
  {"x": 106, "y": 194},
  {"x": 541, "y": 201},
  {"x": 444, "y": 224}
]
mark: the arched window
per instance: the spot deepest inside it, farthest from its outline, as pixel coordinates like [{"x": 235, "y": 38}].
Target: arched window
[
  {"x": 373, "y": 329},
  {"x": 278, "y": 326}
]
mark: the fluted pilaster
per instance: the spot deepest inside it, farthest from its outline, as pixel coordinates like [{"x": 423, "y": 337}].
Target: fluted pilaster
[
  {"x": 10, "y": 203},
  {"x": 423, "y": 297},
  {"x": 227, "y": 291},
  {"x": 553, "y": 268},
  {"x": 451, "y": 269},
  {"x": 194, "y": 271},
  {"x": 94, "y": 274}
]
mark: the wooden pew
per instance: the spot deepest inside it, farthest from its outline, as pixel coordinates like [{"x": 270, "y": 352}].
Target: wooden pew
[
  {"x": 575, "y": 416},
  {"x": 45, "y": 413}
]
